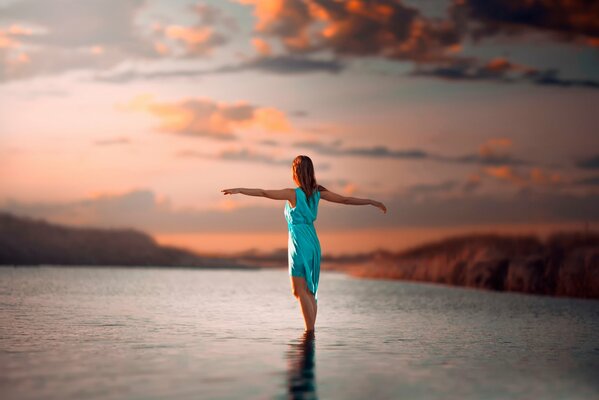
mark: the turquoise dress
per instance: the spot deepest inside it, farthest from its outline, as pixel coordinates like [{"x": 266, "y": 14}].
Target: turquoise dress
[{"x": 303, "y": 243}]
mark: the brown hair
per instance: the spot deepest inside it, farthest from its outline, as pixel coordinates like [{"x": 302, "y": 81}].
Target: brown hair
[{"x": 303, "y": 175}]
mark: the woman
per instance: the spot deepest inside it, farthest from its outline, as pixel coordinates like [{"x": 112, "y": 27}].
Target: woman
[{"x": 300, "y": 212}]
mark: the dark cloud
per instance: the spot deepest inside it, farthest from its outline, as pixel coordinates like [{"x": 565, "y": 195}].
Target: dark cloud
[
  {"x": 551, "y": 77},
  {"x": 590, "y": 181},
  {"x": 384, "y": 28},
  {"x": 483, "y": 159},
  {"x": 336, "y": 149},
  {"x": 427, "y": 188},
  {"x": 472, "y": 184},
  {"x": 591, "y": 162},
  {"x": 570, "y": 19},
  {"x": 243, "y": 154},
  {"x": 451, "y": 186},
  {"x": 273, "y": 64},
  {"x": 288, "y": 65},
  {"x": 299, "y": 113},
  {"x": 499, "y": 70},
  {"x": 392, "y": 30},
  {"x": 268, "y": 142}
]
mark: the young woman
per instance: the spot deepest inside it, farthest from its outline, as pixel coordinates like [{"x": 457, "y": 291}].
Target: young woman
[{"x": 301, "y": 209}]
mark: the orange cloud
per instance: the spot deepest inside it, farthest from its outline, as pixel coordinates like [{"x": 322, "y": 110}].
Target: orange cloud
[
  {"x": 570, "y": 19},
  {"x": 538, "y": 176},
  {"x": 198, "y": 40},
  {"x": 501, "y": 65},
  {"x": 271, "y": 119},
  {"x": 261, "y": 46},
  {"x": 535, "y": 177},
  {"x": 350, "y": 188},
  {"x": 161, "y": 48},
  {"x": 97, "y": 50},
  {"x": 495, "y": 146},
  {"x": 9, "y": 36},
  {"x": 355, "y": 27},
  {"x": 191, "y": 36},
  {"x": 206, "y": 117},
  {"x": 506, "y": 173}
]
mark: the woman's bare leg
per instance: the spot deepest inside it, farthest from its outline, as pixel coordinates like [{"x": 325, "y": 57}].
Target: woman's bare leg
[
  {"x": 300, "y": 291},
  {"x": 314, "y": 305}
]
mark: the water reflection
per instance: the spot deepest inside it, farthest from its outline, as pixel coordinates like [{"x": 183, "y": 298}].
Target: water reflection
[{"x": 301, "y": 380}]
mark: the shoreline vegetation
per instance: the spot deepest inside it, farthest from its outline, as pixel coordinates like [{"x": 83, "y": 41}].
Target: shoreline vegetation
[{"x": 564, "y": 264}]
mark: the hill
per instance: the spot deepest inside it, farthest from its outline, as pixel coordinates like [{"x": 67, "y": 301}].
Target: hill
[
  {"x": 565, "y": 264},
  {"x": 27, "y": 241}
]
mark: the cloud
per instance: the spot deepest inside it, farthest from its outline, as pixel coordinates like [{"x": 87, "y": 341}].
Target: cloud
[
  {"x": 426, "y": 188},
  {"x": 395, "y": 31},
  {"x": 451, "y": 187},
  {"x": 591, "y": 162},
  {"x": 498, "y": 70},
  {"x": 473, "y": 182},
  {"x": 196, "y": 40},
  {"x": 589, "y": 181},
  {"x": 243, "y": 154},
  {"x": 489, "y": 154},
  {"x": 281, "y": 64},
  {"x": 535, "y": 176},
  {"x": 571, "y": 20},
  {"x": 493, "y": 152},
  {"x": 354, "y": 28},
  {"x": 56, "y": 18},
  {"x": 262, "y": 47},
  {"x": 11, "y": 37},
  {"x": 60, "y": 43},
  {"x": 65, "y": 35},
  {"x": 334, "y": 149},
  {"x": 551, "y": 77},
  {"x": 205, "y": 117}
]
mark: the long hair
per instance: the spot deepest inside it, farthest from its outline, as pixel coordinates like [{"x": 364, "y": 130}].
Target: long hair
[{"x": 303, "y": 175}]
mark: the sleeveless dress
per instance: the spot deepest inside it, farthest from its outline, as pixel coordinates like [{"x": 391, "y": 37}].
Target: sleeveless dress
[{"x": 303, "y": 244}]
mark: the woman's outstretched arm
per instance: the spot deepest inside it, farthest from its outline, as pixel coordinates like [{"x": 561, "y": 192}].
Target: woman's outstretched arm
[
  {"x": 282, "y": 194},
  {"x": 337, "y": 198}
]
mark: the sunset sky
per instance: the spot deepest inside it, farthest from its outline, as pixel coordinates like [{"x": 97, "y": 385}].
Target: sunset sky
[{"x": 461, "y": 116}]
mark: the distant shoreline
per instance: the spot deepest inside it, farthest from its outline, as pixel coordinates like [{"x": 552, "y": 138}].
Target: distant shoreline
[{"x": 563, "y": 264}]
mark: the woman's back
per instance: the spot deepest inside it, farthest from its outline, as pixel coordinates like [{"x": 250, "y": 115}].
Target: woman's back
[{"x": 305, "y": 210}]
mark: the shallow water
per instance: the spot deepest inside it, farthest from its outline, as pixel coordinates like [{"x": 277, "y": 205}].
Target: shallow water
[{"x": 109, "y": 333}]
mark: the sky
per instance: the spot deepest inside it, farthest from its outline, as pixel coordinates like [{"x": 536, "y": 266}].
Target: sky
[{"x": 460, "y": 116}]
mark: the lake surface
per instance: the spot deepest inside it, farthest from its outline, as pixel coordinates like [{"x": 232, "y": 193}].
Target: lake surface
[{"x": 110, "y": 333}]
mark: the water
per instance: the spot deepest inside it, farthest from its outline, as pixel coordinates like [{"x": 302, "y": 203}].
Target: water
[{"x": 94, "y": 333}]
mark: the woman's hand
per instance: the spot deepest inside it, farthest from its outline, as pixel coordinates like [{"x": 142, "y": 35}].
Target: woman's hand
[
  {"x": 231, "y": 191},
  {"x": 380, "y": 205}
]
